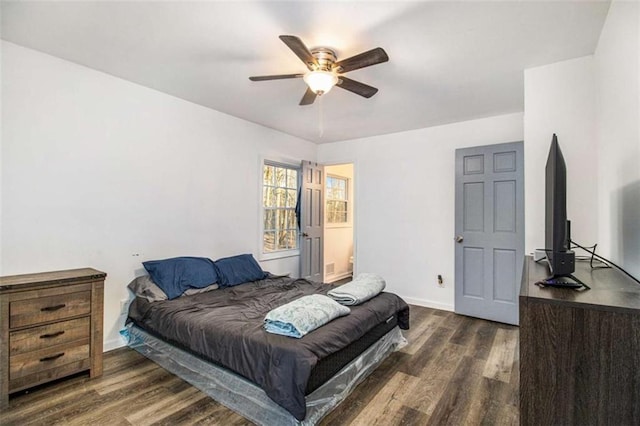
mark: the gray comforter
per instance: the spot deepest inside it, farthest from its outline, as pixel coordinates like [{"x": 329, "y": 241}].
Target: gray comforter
[{"x": 225, "y": 326}]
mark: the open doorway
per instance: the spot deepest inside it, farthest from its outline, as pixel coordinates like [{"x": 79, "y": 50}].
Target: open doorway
[{"x": 339, "y": 222}]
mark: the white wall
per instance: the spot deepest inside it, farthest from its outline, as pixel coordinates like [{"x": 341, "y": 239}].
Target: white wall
[
  {"x": 593, "y": 104},
  {"x": 617, "y": 72},
  {"x": 404, "y": 185},
  {"x": 338, "y": 238},
  {"x": 559, "y": 98},
  {"x": 101, "y": 172}
]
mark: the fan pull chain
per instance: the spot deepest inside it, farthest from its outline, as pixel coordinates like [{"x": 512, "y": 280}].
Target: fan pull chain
[{"x": 320, "y": 118}]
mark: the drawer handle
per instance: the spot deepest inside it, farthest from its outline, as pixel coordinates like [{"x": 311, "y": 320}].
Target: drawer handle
[
  {"x": 56, "y": 334},
  {"x": 52, "y": 357},
  {"x": 53, "y": 308}
]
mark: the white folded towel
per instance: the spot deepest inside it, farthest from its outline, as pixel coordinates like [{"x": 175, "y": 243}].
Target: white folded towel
[
  {"x": 364, "y": 287},
  {"x": 299, "y": 317}
]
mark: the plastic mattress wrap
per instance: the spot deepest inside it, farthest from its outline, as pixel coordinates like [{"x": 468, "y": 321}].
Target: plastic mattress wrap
[{"x": 247, "y": 399}]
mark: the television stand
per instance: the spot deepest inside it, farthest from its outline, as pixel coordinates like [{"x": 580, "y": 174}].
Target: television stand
[
  {"x": 579, "y": 350},
  {"x": 561, "y": 282}
]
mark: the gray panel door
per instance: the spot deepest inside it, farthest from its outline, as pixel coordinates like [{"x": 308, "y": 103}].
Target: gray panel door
[
  {"x": 312, "y": 222},
  {"x": 489, "y": 226}
]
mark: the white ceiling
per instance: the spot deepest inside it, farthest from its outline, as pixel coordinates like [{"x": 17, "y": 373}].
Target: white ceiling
[{"x": 449, "y": 61}]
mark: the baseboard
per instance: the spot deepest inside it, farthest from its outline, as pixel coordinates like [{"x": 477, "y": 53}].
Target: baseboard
[
  {"x": 338, "y": 277},
  {"x": 429, "y": 304},
  {"x": 112, "y": 344}
]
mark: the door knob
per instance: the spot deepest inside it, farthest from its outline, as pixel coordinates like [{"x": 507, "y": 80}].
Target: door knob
[
  {"x": 304, "y": 234},
  {"x": 458, "y": 238}
]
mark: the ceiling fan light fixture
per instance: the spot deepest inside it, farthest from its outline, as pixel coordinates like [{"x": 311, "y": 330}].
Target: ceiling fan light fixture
[
  {"x": 325, "y": 71},
  {"x": 320, "y": 82}
]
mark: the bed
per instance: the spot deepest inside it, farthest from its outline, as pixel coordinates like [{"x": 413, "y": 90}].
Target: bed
[{"x": 221, "y": 331}]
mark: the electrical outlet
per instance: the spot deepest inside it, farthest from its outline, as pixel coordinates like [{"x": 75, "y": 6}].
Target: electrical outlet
[
  {"x": 124, "y": 306},
  {"x": 440, "y": 281}
]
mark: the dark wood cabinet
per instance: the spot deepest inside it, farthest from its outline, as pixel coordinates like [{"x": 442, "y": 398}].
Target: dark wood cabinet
[
  {"x": 50, "y": 327},
  {"x": 579, "y": 350}
]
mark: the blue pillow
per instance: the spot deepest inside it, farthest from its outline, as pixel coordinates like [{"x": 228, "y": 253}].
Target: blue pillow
[
  {"x": 238, "y": 269},
  {"x": 178, "y": 274}
]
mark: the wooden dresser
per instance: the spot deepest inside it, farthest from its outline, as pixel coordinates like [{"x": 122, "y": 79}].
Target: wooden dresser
[
  {"x": 579, "y": 350},
  {"x": 50, "y": 327}
]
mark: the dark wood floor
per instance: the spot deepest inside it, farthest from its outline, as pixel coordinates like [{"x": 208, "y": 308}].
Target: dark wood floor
[{"x": 456, "y": 370}]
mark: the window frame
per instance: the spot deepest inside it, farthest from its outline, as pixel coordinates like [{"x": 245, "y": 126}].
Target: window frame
[
  {"x": 276, "y": 254},
  {"x": 347, "y": 200}
]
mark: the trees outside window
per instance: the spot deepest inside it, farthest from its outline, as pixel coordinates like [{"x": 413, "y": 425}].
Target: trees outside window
[
  {"x": 337, "y": 200},
  {"x": 280, "y": 195}
]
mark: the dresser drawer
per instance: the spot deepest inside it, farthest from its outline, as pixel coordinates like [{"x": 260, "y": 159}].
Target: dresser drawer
[
  {"x": 50, "y": 308},
  {"x": 36, "y": 338},
  {"x": 51, "y": 326},
  {"x": 48, "y": 358}
]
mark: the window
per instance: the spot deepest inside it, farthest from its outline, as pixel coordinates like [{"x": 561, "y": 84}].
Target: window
[
  {"x": 280, "y": 195},
  {"x": 337, "y": 199}
]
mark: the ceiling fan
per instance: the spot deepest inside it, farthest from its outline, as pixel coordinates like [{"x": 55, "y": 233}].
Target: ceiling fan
[{"x": 325, "y": 71}]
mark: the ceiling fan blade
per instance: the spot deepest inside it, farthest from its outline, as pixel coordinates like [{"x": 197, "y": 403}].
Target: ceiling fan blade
[
  {"x": 275, "y": 77},
  {"x": 365, "y": 59},
  {"x": 356, "y": 87},
  {"x": 299, "y": 48},
  {"x": 308, "y": 98}
]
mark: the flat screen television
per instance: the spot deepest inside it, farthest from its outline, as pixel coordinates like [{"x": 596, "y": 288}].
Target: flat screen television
[{"x": 557, "y": 228}]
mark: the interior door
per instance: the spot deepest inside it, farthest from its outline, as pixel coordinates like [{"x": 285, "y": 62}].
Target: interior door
[
  {"x": 312, "y": 222},
  {"x": 489, "y": 226}
]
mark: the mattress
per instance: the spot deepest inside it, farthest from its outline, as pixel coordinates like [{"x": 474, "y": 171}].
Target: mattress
[
  {"x": 225, "y": 327},
  {"x": 327, "y": 367}
]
